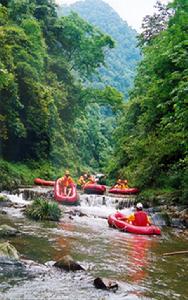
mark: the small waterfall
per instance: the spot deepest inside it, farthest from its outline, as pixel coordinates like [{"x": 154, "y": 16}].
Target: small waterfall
[
  {"x": 104, "y": 205},
  {"x": 116, "y": 202}
]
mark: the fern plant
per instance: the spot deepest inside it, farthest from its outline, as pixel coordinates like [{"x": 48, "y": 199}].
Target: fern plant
[{"x": 41, "y": 209}]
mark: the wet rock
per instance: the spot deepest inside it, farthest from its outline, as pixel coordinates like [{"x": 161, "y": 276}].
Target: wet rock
[
  {"x": 68, "y": 264},
  {"x": 103, "y": 200},
  {"x": 50, "y": 263},
  {"x": 34, "y": 267},
  {"x": 8, "y": 251},
  {"x": 7, "y": 231},
  {"x": 31, "y": 194},
  {"x": 176, "y": 223},
  {"x": 160, "y": 218},
  {"x": 105, "y": 284},
  {"x": 75, "y": 212},
  {"x": 184, "y": 217},
  {"x": 178, "y": 216},
  {"x": 81, "y": 214},
  {"x": 18, "y": 205},
  {"x": 3, "y": 212}
]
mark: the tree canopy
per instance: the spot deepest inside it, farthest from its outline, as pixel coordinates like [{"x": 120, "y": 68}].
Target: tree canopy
[
  {"x": 151, "y": 143},
  {"x": 44, "y": 62},
  {"x": 120, "y": 63}
]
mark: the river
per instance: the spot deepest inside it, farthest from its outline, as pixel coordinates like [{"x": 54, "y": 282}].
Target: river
[{"x": 136, "y": 262}]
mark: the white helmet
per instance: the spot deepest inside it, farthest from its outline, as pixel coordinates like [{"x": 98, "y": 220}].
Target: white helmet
[{"x": 139, "y": 205}]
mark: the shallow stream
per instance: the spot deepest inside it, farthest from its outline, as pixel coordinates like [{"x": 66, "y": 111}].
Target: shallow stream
[{"x": 136, "y": 262}]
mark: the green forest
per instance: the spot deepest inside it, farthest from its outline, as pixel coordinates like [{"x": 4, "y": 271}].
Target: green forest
[
  {"x": 120, "y": 63},
  {"x": 52, "y": 117},
  {"x": 45, "y": 103},
  {"x": 151, "y": 139}
]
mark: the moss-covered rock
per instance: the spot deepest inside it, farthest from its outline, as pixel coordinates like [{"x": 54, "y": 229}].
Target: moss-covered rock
[{"x": 8, "y": 251}]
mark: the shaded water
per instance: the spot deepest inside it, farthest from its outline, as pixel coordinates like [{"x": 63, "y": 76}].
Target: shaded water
[{"x": 135, "y": 261}]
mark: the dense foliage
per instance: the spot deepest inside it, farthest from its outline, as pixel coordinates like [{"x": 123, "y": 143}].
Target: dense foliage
[
  {"x": 120, "y": 63},
  {"x": 152, "y": 139},
  {"x": 95, "y": 137},
  {"x": 44, "y": 62}
]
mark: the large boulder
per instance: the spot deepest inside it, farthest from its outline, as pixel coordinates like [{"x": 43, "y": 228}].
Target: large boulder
[
  {"x": 68, "y": 264},
  {"x": 7, "y": 231},
  {"x": 8, "y": 251}
]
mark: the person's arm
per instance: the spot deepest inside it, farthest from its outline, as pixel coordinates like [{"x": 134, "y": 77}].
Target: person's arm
[
  {"x": 129, "y": 218},
  {"x": 149, "y": 220}
]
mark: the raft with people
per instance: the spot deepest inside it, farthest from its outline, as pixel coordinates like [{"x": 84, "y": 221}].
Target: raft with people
[
  {"x": 44, "y": 182},
  {"x": 117, "y": 221},
  {"x": 94, "y": 188},
  {"x": 121, "y": 187},
  {"x": 59, "y": 195},
  {"x": 124, "y": 191}
]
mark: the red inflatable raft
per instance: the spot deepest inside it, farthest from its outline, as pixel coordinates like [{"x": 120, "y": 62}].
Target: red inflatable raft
[
  {"x": 60, "y": 197},
  {"x": 40, "y": 181},
  {"x": 128, "y": 191},
  {"x": 114, "y": 221},
  {"x": 93, "y": 188}
]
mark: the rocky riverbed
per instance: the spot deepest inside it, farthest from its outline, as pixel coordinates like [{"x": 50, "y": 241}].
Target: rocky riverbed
[{"x": 129, "y": 263}]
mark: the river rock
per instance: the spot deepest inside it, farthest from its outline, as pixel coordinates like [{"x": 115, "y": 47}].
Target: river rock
[
  {"x": 68, "y": 264},
  {"x": 8, "y": 251},
  {"x": 3, "y": 212},
  {"x": 6, "y": 231},
  {"x": 184, "y": 217},
  {"x": 105, "y": 284}
]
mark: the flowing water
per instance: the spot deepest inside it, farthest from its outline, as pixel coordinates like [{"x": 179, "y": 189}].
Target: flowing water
[{"x": 134, "y": 261}]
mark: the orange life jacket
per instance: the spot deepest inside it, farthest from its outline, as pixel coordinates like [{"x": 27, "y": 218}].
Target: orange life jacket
[
  {"x": 81, "y": 180},
  {"x": 67, "y": 181}
]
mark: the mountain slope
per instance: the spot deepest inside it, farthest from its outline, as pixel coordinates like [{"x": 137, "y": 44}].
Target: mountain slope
[{"x": 121, "y": 61}]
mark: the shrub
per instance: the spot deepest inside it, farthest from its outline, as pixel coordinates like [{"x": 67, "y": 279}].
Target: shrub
[{"x": 41, "y": 209}]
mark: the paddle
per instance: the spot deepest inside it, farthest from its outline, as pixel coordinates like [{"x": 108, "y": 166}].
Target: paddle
[{"x": 175, "y": 253}]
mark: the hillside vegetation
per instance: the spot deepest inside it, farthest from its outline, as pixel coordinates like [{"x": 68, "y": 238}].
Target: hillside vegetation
[
  {"x": 120, "y": 63},
  {"x": 152, "y": 136},
  {"x": 44, "y": 62}
]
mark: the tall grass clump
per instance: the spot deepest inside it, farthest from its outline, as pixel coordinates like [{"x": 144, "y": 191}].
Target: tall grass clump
[{"x": 41, "y": 209}]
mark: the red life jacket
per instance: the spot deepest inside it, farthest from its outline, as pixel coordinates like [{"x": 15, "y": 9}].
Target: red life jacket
[{"x": 141, "y": 218}]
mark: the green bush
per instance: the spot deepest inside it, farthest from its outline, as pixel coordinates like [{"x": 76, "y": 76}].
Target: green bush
[{"x": 41, "y": 209}]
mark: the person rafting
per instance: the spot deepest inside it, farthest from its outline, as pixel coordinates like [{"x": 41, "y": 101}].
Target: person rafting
[
  {"x": 121, "y": 184},
  {"x": 67, "y": 183},
  {"x": 138, "y": 218},
  {"x": 125, "y": 184},
  {"x": 82, "y": 180},
  {"x": 91, "y": 179}
]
